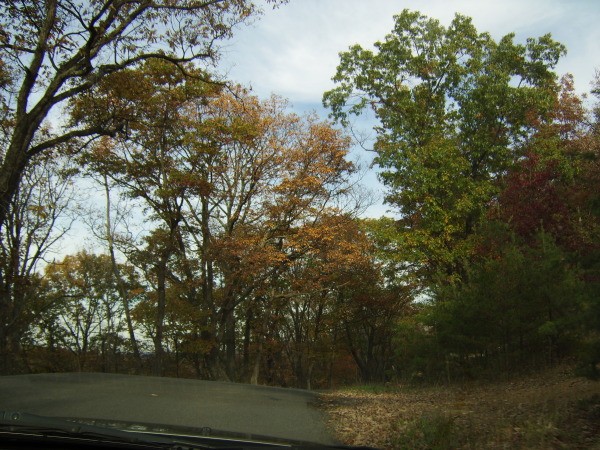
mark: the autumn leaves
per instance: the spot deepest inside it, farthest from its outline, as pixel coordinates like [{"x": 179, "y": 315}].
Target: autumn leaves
[{"x": 242, "y": 220}]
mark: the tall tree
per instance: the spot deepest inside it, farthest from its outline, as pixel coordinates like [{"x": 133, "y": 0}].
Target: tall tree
[
  {"x": 54, "y": 50},
  {"x": 331, "y": 252},
  {"x": 151, "y": 164},
  {"x": 39, "y": 215},
  {"x": 454, "y": 108},
  {"x": 273, "y": 173},
  {"x": 227, "y": 178}
]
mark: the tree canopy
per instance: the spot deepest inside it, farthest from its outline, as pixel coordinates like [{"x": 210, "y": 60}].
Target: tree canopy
[
  {"x": 227, "y": 235},
  {"x": 455, "y": 109}
]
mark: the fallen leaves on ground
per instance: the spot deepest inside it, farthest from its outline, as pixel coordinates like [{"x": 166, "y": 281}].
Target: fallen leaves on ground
[{"x": 553, "y": 410}]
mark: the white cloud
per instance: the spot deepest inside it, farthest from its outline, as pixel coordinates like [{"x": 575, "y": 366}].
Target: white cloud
[{"x": 293, "y": 50}]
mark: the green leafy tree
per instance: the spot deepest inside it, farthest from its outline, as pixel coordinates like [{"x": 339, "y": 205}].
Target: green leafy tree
[
  {"x": 588, "y": 177},
  {"x": 521, "y": 307},
  {"x": 455, "y": 108},
  {"x": 554, "y": 190}
]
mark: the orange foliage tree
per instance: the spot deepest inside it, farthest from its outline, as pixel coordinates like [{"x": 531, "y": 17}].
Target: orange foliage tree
[{"x": 238, "y": 193}]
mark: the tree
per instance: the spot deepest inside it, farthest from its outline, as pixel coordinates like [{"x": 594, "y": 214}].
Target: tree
[
  {"x": 587, "y": 199},
  {"x": 528, "y": 288},
  {"x": 228, "y": 180},
  {"x": 333, "y": 259},
  {"x": 153, "y": 163},
  {"x": 39, "y": 215},
  {"x": 55, "y": 50},
  {"x": 124, "y": 292},
  {"x": 83, "y": 307},
  {"x": 275, "y": 176},
  {"x": 519, "y": 308},
  {"x": 455, "y": 108},
  {"x": 375, "y": 302},
  {"x": 554, "y": 190}
]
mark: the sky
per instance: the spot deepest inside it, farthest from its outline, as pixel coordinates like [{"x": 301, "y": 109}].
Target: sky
[{"x": 292, "y": 51}]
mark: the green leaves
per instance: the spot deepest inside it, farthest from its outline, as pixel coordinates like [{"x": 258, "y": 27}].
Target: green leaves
[
  {"x": 520, "y": 302},
  {"x": 455, "y": 109}
]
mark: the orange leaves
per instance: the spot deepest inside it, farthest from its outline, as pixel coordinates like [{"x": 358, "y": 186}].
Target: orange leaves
[
  {"x": 335, "y": 249},
  {"x": 243, "y": 196},
  {"x": 246, "y": 254},
  {"x": 191, "y": 182}
]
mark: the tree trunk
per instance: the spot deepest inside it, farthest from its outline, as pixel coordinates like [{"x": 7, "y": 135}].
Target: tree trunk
[
  {"x": 12, "y": 293},
  {"x": 247, "y": 338},
  {"x": 11, "y": 172},
  {"x": 309, "y": 372},
  {"x": 119, "y": 281},
  {"x": 6, "y": 350},
  {"x": 229, "y": 342},
  {"x": 161, "y": 294},
  {"x": 256, "y": 368},
  {"x": 14, "y": 163}
]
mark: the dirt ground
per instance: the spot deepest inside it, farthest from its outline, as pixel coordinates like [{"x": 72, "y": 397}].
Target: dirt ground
[{"x": 550, "y": 410}]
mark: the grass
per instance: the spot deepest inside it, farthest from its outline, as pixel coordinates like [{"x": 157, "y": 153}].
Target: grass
[
  {"x": 435, "y": 431},
  {"x": 550, "y": 410},
  {"x": 374, "y": 388}
]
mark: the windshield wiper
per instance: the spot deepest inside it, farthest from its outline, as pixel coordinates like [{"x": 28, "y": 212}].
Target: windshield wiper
[{"x": 31, "y": 425}]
